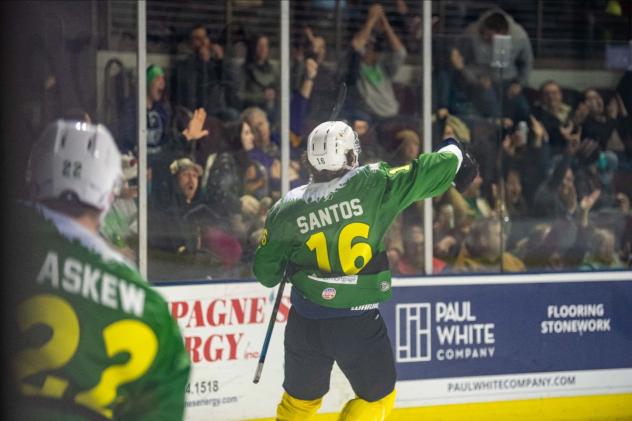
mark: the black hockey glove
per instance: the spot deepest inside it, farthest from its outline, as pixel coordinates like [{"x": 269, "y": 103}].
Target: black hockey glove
[{"x": 469, "y": 167}]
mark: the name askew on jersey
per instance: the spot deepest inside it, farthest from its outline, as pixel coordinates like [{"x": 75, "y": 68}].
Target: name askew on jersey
[{"x": 93, "y": 284}]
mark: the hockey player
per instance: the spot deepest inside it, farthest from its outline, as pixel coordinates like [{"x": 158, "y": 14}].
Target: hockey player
[
  {"x": 326, "y": 238},
  {"x": 94, "y": 341}
]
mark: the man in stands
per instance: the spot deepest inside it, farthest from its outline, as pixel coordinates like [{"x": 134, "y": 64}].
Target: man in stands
[{"x": 479, "y": 37}]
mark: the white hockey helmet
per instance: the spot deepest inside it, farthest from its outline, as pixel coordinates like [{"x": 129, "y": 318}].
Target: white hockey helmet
[
  {"x": 77, "y": 158},
  {"x": 328, "y": 144}
]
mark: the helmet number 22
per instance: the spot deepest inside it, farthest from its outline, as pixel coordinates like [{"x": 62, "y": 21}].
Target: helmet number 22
[
  {"x": 348, "y": 252},
  {"x": 71, "y": 169}
]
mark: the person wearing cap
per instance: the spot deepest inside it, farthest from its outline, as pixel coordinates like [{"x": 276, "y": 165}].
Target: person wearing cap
[
  {"x": 190, "y": 229},
  {"x": 158, "y": 115},
  {"x": 176, "y": 234},
  {"x": 163, "y": 145},
  {"x": 188, "y": 175}
]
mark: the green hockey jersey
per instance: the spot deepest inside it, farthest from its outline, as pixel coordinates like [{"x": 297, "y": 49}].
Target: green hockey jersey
[
  {"x": 327, "y": 238},
  {"x": 94, "y": 341}
]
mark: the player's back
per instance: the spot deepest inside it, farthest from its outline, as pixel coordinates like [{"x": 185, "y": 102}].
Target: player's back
[
  {"x": 94, "y": 340},
  {"x": 327, "y": 237},
  {"x": 337, "y": 227}
]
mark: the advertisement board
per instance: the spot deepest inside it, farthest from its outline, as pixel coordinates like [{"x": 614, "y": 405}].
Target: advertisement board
[
  {"x": 519, "y": 337},
  {"x": 223, "y": 326},
  {"x": 455, "y": 340}
]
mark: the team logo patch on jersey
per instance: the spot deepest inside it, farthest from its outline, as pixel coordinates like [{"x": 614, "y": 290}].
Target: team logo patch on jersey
[
  {"x": 395, "y": 170},
  {"x": 263, "y": 239},
  {"x": 384, "y": 286},
  {"x": 329, "y": 293}
]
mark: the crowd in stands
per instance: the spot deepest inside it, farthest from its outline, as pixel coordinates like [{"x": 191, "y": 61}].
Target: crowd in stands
[{"x": 555, "y": 163}]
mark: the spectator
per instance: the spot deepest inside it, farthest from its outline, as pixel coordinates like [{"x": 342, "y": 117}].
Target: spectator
[
  {"x": 457, "y": 91},
  {"x": 158, "y": 116},
  {"x": 394, "y": 242},
  {"x": 163, "y": 144},
  {"x": 527, "y": 151},
  {"x": 178, "y": 236},
  {"x": 470, "y": 204},
  {"x": 205, "y": 148},
  {"x": 557, "y": 196},
  {"x": 372, "y": 149},
  {"x": 224, "y": 193},
  {"x": 479, "y": 38},
  {"x": 445, "y": 233},
  {"x": 183, "y": 140},
  {"x": 515, "y": 202},
  {"x": 597, "y": 173},
  {"x": 481, "y": 251},
  {"x": 407, "y": 148},
  {"x": 407, "y": 23},
  {"x": 192, "y": 231},
  {"x": 325, "y": 85},
  {"x": 455, "y": 127},
  {"x": 371, "y": 71},
  {"x": 554, "y": 114},
  {"x": 552, "y": 247},
  {"x": 257, "y": 183},
  {"x": 601, "y": 123},
  {"x": 120, "y": 225},
  {"x": 532, "y": 241},
  {"x": 259, "y": 85},
  {"x": 253, "y": 175},
  {"x": 413, "y": 260},
  {"x": 516, "y": 208},
  {"x": 299, "y": 105},
  {"x": 602, "y": 253},
  {"x": 239, "y": 141},
  {"x": 203, "y": 79},
  {"x": 265, "y": 151}
]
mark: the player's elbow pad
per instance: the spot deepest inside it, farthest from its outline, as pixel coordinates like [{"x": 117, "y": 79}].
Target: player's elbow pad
[{"x": 468, "y": 169}]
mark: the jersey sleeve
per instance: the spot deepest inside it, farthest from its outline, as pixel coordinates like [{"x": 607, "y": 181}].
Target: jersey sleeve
[
  {"x": 271, "y": 256},
  {"x": 429, "y": 175}
]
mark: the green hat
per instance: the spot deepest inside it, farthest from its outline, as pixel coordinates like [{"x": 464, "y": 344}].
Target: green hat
[{"x": 153, "y": 71}]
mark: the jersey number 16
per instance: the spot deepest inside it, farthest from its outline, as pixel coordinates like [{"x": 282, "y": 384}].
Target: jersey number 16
[{"x": 348, "y": 252}]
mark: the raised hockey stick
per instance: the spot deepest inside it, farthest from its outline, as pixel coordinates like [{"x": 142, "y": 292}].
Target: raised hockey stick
[{"x": 342, "y": 95}]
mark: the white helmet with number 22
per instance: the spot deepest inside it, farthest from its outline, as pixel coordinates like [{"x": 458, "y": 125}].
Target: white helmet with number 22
[
  {"x": 328, "y": 144},
  {"x": 77, "y": 158}
]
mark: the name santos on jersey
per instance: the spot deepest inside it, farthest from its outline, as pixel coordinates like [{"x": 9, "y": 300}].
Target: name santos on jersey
[{"x": 329, "y": 215}]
